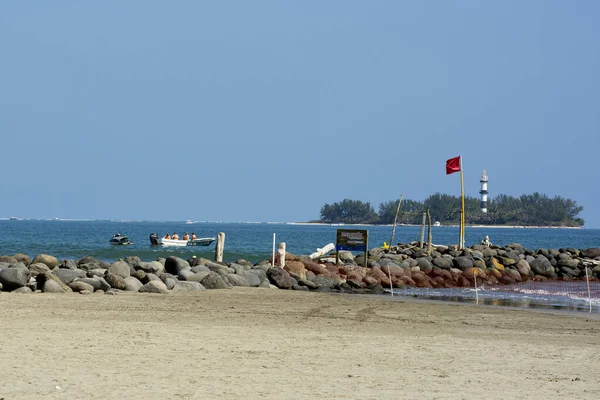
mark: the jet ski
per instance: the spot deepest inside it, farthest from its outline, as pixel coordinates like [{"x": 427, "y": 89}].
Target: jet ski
[{"x": 119, "y": 240}]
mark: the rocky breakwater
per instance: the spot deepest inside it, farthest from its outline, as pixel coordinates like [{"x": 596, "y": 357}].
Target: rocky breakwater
[{"x": 400, "y": 266}]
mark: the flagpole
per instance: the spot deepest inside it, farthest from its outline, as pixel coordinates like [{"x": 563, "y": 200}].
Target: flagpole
[{"x": 462, "y": 214}]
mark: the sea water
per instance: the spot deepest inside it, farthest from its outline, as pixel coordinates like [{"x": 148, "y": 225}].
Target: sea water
[{"x": 250, "y": 241}]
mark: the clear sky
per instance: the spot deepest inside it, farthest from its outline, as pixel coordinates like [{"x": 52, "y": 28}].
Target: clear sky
[{"x": 267, "y": 110}]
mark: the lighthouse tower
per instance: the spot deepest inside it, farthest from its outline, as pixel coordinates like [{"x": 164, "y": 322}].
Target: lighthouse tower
[{"x": 483, "y": 192}]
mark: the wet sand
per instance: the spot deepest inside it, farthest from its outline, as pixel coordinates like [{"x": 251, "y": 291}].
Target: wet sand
[{"x": 275, "y": 344}]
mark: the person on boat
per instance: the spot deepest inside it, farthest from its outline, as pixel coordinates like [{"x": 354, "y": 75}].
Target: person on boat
[
  {"x": 175, "y": 236},
  {"x": 167, "y": 236},
  {"x": 117, "y": 236},
  {"x": 193, "y": 236},
  {"x": 186, "y": 236}
]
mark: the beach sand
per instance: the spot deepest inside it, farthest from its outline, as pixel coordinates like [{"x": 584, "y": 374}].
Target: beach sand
[{"x": 275, "y": 344}]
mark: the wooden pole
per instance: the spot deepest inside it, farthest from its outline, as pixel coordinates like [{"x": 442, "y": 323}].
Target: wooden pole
[
  {"x": 429, "y": 238},
  {"x": 423, "y": 229},
  {"x": 219, "y": 247},
  {"x": 281, "y": 254},
  {"x": 396, "y": 220},
  {"x": 462, "y": 214}
]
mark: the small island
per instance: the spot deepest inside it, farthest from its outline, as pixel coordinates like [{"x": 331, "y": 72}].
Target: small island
[{"x": 534, "y": 209}]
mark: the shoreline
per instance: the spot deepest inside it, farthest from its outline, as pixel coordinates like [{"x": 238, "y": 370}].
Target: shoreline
[{"x": 446, "y": 226}]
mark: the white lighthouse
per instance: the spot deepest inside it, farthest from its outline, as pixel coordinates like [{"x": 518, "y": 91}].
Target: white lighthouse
[{"x": 483, "y": 192}]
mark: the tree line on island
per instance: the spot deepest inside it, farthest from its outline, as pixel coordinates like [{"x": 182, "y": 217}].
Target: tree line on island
[{"x": 526, "y": 210}]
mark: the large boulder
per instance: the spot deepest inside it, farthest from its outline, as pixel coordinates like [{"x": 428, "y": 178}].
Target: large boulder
[
  {"x": 115, "y": 281},
  {"x": 154, "y": 287},
  {"x": 14, "y": 278},
  {"x": 442, "y": 262},
  {"x": 463, "y": 263},
  {"x": 80, "y": 286},
  {"x": 280, "y": 278},
  {"x": 50, "y": 261},
  {"x": 132, "y": 284},
  {"x": 236, "y": 280},
  {"x": 38, "y": 268},
  {"x": 52, "y": 286},
  {"x": 69, "y": 275},
  {"x": 188, "y": 287},
  {"x": 219, "y": 268},
  {"x": 523, "y": 267},
  {"x": 591, "y": 253},
  {"x": 215, "y": 281},
  {"x": 120, "y": 268},
  {"x": 542, "y": 266},
  {"x": 24, "y": 258},
  {"x": 153, "y": 267},
  {"x": 174, "y": 265}
]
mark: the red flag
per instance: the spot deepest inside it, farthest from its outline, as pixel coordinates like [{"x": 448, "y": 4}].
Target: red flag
[{"x": 453, "y": 165}]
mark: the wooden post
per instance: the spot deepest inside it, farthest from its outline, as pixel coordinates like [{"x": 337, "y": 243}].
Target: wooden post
[
  {"x": 429, "y": 238},
  {"x": 219, "y": 247},
  {"x": 281, "y": 254},
  {"x": 395, "y": 220},
  {"x": 423, "y": 230}
]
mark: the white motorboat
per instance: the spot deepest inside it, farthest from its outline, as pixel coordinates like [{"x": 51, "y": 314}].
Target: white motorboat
[{"x": 156, "y": 241}]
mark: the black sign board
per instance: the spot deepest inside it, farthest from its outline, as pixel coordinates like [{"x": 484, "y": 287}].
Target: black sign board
[{"x": 353, "y": 240}]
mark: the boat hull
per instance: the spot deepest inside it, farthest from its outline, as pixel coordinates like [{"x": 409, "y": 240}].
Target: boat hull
[{"x": 182, "y": 243}]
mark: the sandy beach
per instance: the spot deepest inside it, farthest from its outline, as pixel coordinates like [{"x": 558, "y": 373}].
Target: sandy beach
[{"x": 275, "y": 344}]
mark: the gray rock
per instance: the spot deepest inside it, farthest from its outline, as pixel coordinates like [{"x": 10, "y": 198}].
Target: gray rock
[
  {"x": 424, "y": 264},
  {"x": 154, "y": 287},
  {"x": 78, "y": 286},
  {"x": 14, "y": 278},
  {"x": 236, "y": 280},
  {"x": 38, "y": 268},
  {"x": 463, "y": 262},
  {"x": 152, "y": 277},
  {"x": 252, "y": 280},
  {"x": 93, "y": 282},
  {"x": 188, "y": 286},
  {"x": 324, "y": 282},
  {"x": 307, "y": 283},
  {"x": 266, "y": 284},
  {"x": 442, "y": 262},
  {"x": 280, "y": 278},
  {"x": 184, "y": 274},
  {"x": 260, "y": 273},
  {"x": 169, "y": 283},
  {"x": 215, "y": 281},
  {"x": 115, "y": 281},
  {"x": 103, "y": 284},
  {"x": 69, "y": 264},
  {"x": 96, "y": 272},
  {"x": 198, "y": 277},
  {"x": 346, "y": 256},
  {"x": 120, "y": 268},
  {"x": 69, "y": 275},
  {"x": 299, "y": 287},
  {"x": 51, "y": 286},
  {"x": 22, "y": 290},
  {"x": 200, "y": 268},
  {"x": 219, "y": 269},
  {"x": 132, "y": 284},
  {"x": 591, "y": 253},
  {"x": 174, "y": 265},
  {"x": 153, "y": 267},
  {"x": 523, "y": 267},
  {"x": 50, "y": 261},
  {"x": 542, "y": 266}
]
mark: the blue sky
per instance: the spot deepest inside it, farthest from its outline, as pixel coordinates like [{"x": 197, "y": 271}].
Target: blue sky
[{"x": 266, "y": 110}]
